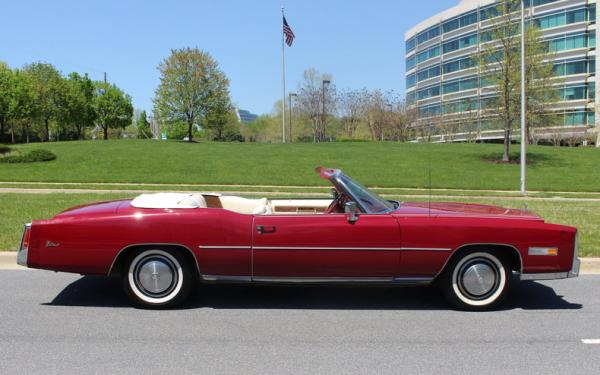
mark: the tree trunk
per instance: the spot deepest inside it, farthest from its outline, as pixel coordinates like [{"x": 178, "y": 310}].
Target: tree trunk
[
  {"x": 105, "y": 129},
  {"x": 12, "y": 133},
  {"x": 2, "y": 121},
  {"x": 190, "y": 126},
  {"x": 47, "y": 125},
  {"x": 505, "y": 154}
]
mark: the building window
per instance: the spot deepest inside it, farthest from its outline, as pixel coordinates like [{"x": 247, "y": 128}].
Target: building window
[
  {"x": 428, "y": 54},
  {"x": 566, "y": 17},
  {"x": 410, "y": 62},
  {"x": 567, "y": 42},
  {"x": 429, "y": 111},
  {"x": 460, "y": 85},
  {"x": 428, "y": 73},
  {"x": 451, "y": 25},
  {"x": 428, "y": 92},
  {"x": 410, "y": 44},
  {"x": 428, "y": 34},
  {"x": 411, "y": 80},
  {"x": 564, "y": 68}
]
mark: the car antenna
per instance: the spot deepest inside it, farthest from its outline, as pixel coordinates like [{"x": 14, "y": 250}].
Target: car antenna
[{"x": 429, "y": 175}]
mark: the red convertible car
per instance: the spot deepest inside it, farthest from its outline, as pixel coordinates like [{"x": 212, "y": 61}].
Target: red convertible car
[{"x": 162, "y": 245}]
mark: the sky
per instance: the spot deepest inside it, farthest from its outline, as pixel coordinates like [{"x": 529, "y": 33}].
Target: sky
[{"x": 361, "y": 43}]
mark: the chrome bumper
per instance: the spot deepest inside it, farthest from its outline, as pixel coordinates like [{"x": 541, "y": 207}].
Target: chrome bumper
[
  {"x": 574, "y": 272},
  {"x": 22, "y": 251}
]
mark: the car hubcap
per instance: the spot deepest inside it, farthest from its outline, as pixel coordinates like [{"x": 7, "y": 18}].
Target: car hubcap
[
  {"x": 156, "y": 276},
  {"x": 478, "y": 279}
]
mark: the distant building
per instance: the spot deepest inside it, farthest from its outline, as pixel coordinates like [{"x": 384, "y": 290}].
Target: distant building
[
  {"x": 443, "y": 83},
  {"x": 245, "y": 116}
]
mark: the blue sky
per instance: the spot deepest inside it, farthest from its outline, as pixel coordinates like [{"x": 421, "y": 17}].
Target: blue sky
[{"x": 359, "y": 42}]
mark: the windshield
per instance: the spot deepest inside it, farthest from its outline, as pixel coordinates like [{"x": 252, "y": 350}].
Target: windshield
[{"x": 369, "y": 201}]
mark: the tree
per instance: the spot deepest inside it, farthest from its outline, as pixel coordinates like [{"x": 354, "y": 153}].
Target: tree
[
  {"x": 16, "y": 100},
  {"x": 316, "y": 100},
  {"x": 112, "y": 106},
  {"x": 143, "y": 126},
  {"x": 220, "y": 119},
  {"x": 78, "y": 110},
  {"x": 350, "y": 105},
  {"x": 500, "y": 66},
  {"x": 7, "y": 84},
  {"x": 49, "y": 91},
  {"x": 191, "y": 88}
]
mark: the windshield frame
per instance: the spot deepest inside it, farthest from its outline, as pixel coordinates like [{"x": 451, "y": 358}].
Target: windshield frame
[{"x": 342, "y": 182}]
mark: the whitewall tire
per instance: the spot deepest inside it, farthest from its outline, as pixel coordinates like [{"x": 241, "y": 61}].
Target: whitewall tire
[
  {"x": 476, "y": 281},
  {"x": 156, "y": 278}
]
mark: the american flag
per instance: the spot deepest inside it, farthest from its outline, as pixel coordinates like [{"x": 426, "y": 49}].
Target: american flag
[{"x": 289, "y": 34}]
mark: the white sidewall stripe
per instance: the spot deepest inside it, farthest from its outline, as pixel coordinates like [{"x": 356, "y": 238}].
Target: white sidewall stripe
[{"x": 141, "y": 295}]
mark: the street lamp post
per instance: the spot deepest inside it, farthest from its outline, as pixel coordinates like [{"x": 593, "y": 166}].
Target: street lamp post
[
  {"x": 523, "y": 104},
  {"x": 325, "y": 82},
  {"x": 291, "y": 114}
]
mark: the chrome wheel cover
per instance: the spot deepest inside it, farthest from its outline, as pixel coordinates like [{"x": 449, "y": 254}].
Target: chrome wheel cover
[
  {"x": 479, "y": 279},
  {"x": 155, "y": 276}
]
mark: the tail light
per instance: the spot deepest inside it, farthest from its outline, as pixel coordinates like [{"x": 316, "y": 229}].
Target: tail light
[
  {"x": 26, "y": 236},
  {"x": 24, "y": 246}
]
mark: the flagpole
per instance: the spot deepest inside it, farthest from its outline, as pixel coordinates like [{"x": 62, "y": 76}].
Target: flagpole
[
  {"x": 524, "y": 139},
  {"x": 282, "y": 80}
]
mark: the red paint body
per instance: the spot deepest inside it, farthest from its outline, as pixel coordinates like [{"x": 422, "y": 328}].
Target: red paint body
[{"x": 91, "y": 237}]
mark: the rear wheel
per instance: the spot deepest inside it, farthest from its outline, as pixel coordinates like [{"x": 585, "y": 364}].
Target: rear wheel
[
  {"x": 476, "y": 281},
  {"x": 155, "y": 278}
]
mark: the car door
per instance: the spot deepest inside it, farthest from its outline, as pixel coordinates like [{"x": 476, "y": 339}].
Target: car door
[{"x": 325, "y": 246}]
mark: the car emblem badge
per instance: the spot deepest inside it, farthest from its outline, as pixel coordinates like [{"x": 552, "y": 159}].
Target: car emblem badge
[{"x": 52, "y": 244}]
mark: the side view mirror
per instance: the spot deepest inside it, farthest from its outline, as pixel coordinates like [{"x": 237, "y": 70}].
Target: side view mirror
[{"x": 351, "y": 210}]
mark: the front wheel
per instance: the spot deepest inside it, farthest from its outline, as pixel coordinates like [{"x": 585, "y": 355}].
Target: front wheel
[
  {"x": 476, "y": 281},
  {"x": 155, "y": 278}
]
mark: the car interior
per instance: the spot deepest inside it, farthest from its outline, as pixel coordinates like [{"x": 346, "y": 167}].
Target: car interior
[{"x": 247, "y": 206}]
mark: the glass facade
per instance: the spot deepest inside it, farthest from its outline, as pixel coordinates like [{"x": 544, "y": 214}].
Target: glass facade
[{"x": 442, "y": 76}]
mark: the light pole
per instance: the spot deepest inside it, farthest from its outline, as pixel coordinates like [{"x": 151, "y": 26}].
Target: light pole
[
  {"x": 322, "y": 136},
  {"x": 291, "y": 114},
  {"x": 523, "y": 104}
]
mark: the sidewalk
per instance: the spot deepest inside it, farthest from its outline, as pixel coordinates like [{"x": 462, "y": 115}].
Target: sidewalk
[{"x": 8, "y": 261}]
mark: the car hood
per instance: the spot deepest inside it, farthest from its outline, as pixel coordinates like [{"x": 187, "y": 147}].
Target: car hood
[{"x": 463, "y": 209}]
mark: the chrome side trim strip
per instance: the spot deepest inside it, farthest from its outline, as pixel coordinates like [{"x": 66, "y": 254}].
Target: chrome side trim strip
[
  {"x": 320, "y": 280},
  {"x": 226, "y": 278},
  {"x": 225, "y": 247},
  {"x": 413, "y": 280},
  {"x": 544, "y": 276},
  {"x": 425, "y": 249},
  {"x": 326, "y": 248},
  {"x": 285, "y": 279}
]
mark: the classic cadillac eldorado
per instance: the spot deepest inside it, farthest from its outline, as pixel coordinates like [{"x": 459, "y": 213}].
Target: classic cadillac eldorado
[{"x": 163, "y": 245}]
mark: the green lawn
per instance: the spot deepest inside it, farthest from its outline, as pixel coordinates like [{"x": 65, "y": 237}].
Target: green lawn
[
  {"x": 375, "y": 164},
  {"x": 17, "y": 209}
]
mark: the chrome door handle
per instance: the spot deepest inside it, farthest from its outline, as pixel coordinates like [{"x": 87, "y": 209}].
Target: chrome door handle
[{"x": 265, "y": 229}]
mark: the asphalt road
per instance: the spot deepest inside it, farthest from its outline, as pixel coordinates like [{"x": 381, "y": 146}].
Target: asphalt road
[{"x": 60, "y": 323}]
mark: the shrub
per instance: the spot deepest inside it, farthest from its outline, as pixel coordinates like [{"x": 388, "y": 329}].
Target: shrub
[
  {"x": 5, "y": 150},
  {"x": 30, "y": 157}
]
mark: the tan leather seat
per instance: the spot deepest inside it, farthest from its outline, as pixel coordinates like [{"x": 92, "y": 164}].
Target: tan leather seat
[{"x": 246, "y": 206}]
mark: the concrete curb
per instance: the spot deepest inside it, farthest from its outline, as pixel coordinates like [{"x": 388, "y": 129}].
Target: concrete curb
[{"x": 8, "y": 261}]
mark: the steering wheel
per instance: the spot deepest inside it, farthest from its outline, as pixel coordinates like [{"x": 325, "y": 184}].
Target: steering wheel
[{"x": 337, "y": 202}]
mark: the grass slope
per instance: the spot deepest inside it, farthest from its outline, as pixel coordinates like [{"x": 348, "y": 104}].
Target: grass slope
[
  {"x": 17, "y": 209},
  {"x": 375, "y": 164}
]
